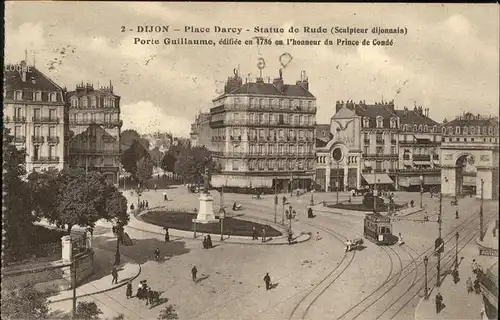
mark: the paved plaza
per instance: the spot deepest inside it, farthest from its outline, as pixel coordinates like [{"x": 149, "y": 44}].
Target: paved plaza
[{"x": 313, "y": 279}]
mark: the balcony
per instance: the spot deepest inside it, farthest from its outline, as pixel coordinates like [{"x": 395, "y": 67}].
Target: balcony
[
  {"x": 379, "y": 141},
  {"x": 216, "y": 123},
  {"x": 424, "y": 170},
  {"x": 52, "y": 139},
  {"x": 421, "y": 157},
  {"x": 366, "y": 141},
  {"x": 45, "y": 120},
  {"x": 19, "y": 119},
  {"x": 94, "y": 152},
  {"x": 19, "y": 139},
  {"x": 38, "y": 139},
  {"x": 44, "y": 159},
  {"x": 381, "y": 155},
  {"x": 393, "y": 141}
]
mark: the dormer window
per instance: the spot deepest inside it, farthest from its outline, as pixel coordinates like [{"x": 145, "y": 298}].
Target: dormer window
[
  {"x": 74, "y": 102},
  {"x": 52, "y": 97},
  {"x": 457, "y": 130},
  {"x": 407, "y": 127},
  {"x": 434, "y": 128},
  {"x": 250, "y": 102},
  {"x": 282, "y": 105},
  {"x": 420, "y": 127},
  {"x": 414, "y": 128},
  {"x": 366, "y": 122},
  {"x": 85, "y": 102},
  {"x": 443, "y": 130},
  {"x": 380, "y": 122},
  {"x": 490, "y": 131},
  {"x": 465, "y": 130},
  {"x": 38, "y": 96},
  {"x": 394, "y": 123},
  {"x": 426, "y": 128},
  {"x": 483, "y": 130},
  {"x": 472, "y": 130},
  {"x": 261, "y": 103},
  {"x": 93, "y": 102},
  {"x": 18, "y": 95},
  {"x": 290, "y": 104}
]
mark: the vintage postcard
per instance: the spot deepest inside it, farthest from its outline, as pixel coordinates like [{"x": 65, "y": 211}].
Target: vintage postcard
[{"x": 225, "y": 160}]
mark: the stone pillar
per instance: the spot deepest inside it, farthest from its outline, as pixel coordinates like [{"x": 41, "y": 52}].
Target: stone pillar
[
  {"x": 448, "y": 177},
  {"x": 67, "y": 248},
  {"x": 346, "y": 178},
  {"x": 327, "y": 178},
  {"x": 487, "y": 177},
  {"x": 358, "y": 177}
]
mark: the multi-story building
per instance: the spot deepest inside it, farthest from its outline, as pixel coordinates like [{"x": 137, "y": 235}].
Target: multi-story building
[
  {"x": 470, "y": 156},
  {"x": 201, "y": 132},
  {"x": 263, "y": 134},
  {"x": 94, "y": 130},
  {"x": 377, "y": 144},
  {"x": 34, "y": 111},
  {"x": 160, "y": 140}
]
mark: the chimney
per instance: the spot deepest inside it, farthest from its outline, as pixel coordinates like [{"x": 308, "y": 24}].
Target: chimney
[
  {"x": 23, "y": 71},
  {"x": 304, "y": 81},
  {"x": 338, "y": 106},
  {"x": 278, "y": 82}
]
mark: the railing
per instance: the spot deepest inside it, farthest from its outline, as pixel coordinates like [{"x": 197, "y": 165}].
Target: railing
[
  {"x": 393, "y": 141},
  {"x": 420, "y": 170},
  {"x": 380, "y": 155},
  {"x": 257, "y": 108},
  {"x": 379, "y": 141},
  {"x": 52, "y": 139},
  {"x": 44, "y": 159},
  {"x": 96, "y": 122},
  {"x": 38, "y": 139},
  {"x": 376, "y": 170},
  {"x": 19, "y": 139},
  {"x": 421, "y": 157},
  {"x": 19, "y": 119},
  {"x": 366, "y": 141},
  {"x": 45, "y": 119},
  {"x": 94, "y": 151},
  {"x": 490, "y": 282}
]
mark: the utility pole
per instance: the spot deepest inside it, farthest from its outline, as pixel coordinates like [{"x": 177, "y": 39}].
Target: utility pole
[
  {"x": 338, "y": 182},
  {"x": 440, "y": 221},
  {"x": 375, "y": 193},
  {"x": 222, "y": 213},
  {"x": 481, "y": 234},
  {"x": 275, "y": 199}
]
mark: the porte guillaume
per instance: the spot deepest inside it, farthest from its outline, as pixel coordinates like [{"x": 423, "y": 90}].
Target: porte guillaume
[{"x": 215, "y": 29}]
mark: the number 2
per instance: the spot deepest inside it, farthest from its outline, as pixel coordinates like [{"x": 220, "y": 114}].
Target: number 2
[{"x": 123, "y": 28}]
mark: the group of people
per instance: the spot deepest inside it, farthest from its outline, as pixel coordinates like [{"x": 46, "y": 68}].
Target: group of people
[
  {"x": 143, "y": 292},
  {"x": 255, "y": 235},
  {"x": 207, "y": 242}
]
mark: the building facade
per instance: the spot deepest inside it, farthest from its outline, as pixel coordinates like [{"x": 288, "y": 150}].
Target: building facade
[
  {"x": 470, "y": 156},
  {"x": 201, "y": 132},
  {"x": 94, "y": 130},
  {"x": 263, "y": 134},
  {"x": 34, "y": 112},
  {"x": 377, "y": 144}
]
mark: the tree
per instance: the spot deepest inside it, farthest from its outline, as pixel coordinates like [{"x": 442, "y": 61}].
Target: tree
[
  {"x": 116, "y": 206},
  {"x": 144, "y": 170},
  {"x": 18, "y": 218},
  {"x": 24, "y": 302},
  {"x": 131, "y": 157},
  {"x": 44, "y": 187},
  {"x": 127, "y": 137},
  {"x": 192, "y": 162},
  {"x": 87, "y": 311},
  {"x": 168, "y": 313},
  {"x": 168, "y": 161},
  {"x": 156, "y": 156}
]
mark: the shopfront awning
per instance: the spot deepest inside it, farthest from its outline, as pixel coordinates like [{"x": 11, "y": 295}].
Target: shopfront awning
[
  {"x": 380, "y": 178},
  {"x": 423, "y": 136}
]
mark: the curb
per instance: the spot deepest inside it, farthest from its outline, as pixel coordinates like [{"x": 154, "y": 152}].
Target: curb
[{"x": 100, "y": 291}]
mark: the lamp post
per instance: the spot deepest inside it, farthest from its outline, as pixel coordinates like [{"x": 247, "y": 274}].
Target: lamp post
[
  {"x": 222, "y": 215},
  {"x": 375, "y": 193},
  {"x": 426, "y": 260},
  {"x": 119, "y": 230},
  {"x": 457, "y": 235},
  {"x": 338, "y": 181},
  {"x": 283, "y": 215},
  {"x": 440, "y": 224},
  {"x": 481, "y": 212},
  {"x": 421, "y": 187},
  {"x": 312, "y": 197},
  {"x": 290, "y": 216},
  {"x": 275, "y": 199},
  {"x": 291, "y": 185}
]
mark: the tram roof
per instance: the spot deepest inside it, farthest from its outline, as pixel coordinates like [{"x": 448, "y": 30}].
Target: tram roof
[{"x": 375, "y": 217}]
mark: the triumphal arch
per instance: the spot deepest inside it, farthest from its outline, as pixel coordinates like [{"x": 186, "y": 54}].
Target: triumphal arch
[{"x": 469, "y": 156}]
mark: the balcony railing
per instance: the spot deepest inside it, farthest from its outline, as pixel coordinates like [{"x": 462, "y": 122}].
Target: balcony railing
[
  {"x": 19, "y": 119},
  {"x": 366, "y": 141},
  {"x": 381, "y": 155},
  {"x": 393, "y": 141},
  {"x": 45, "y": 119},
  {"x": 420, "y": 170},
  {"x": 38, "y": 139},
  {"x": 19, "y": 139},
  {"x": 94, "y": 151},
  {"x": 53, "y": 139},
  {"x": 421, "y": 157},
  {"x": 44, "y": 159},
  {"x": 379, "y": 141},
  {"x": 103, "y": 123}
]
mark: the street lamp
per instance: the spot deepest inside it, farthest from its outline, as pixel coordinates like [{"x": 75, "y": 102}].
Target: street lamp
[
  {"x": 456, "y": 249},
  {"x": 119, "y": 231},
  {"x": 421, "y": 187},
  {"x": 426, "y": 260},
  {"x": 481, "y": 212},
  {"x": 222, "y": 215},
  {"x": 290, "y": 216},
  {"x": 338, "y": 180},
  {"x": 312, "y": 197}
]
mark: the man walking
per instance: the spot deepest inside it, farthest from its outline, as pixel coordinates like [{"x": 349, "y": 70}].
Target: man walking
[
  {"x": 456, "y": 214},
  {"x": 167, "y": 235},
  {"x": 263, "y": 235},
  {"x": 165, "y": 198},
  {"x": 254, "y": 233},
  {"x": 114, "y": 273},
  {"x": 439, "y": 302},
  {"x": 469, "y": 285},
  {"x": 267, "y": 280},
  {"x": 194, "y": 271}
]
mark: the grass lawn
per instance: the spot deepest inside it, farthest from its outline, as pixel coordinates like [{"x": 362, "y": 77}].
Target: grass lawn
[
  {"x": 183, "y": 221},
  {"x": 360, "y": 207}
]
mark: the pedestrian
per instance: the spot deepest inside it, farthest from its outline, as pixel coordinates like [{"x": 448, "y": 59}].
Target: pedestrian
[
  {"x": 147, "y": 204},
  {"x": 114, "y": 273},
  {"x": 165, "y": 198},
  {"x": 290, "y": 238},
  {"x": 317, "y": 236},
  {"x": 456, "y": 277},
  {"x": 456, "y": 214},
  {"x": 167, "y": 236},
  {"x": 156, "y": 187},
  {"x": 400, "y": 239},
  {"x": 267, "y": 280},
  {"x": 477, "y": 286},
  {"x": 439, "y": 302},
  {"x": 254, "y": 233},
  {"x": 205, "y": 242},
  {"x": 149, "y": 296},
  {"x": 194, "y": 271},
  {"x": 129, "y": 290},
  {"x": 209, "y": 242},
  {"x": 132, "y": 207},
  {"x": 494, "y": 232},
  {"x": 474, "y": 266},
  {"x": 469, "y": 285},
  {"x": 263, "y": 235}
]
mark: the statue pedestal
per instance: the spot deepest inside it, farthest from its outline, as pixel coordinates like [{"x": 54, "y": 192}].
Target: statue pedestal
[{"x": 206, "y": 212}]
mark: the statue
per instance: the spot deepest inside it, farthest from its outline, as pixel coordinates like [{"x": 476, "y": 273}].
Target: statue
[{"x": 205, "y": 181}]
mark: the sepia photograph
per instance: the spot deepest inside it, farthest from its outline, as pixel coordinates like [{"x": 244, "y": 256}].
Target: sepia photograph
[{"x": 250, "y": 160}]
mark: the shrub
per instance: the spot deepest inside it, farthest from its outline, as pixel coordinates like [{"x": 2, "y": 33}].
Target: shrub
[{"x": 168, "y": 313}]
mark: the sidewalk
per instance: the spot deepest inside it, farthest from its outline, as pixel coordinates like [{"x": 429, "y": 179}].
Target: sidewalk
[
  {"x": 458, "y": 303},
  {"x": 100, "y": 280},
  {"x": 137, "y": 224},
  {"x": 489, "y": 241}
]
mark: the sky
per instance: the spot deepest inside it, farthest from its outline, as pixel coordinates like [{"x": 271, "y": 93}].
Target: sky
[{"x": 448, "y": 61}]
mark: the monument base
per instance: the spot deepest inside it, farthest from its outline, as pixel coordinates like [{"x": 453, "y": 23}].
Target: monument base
[{"x": 206, "y": 212}]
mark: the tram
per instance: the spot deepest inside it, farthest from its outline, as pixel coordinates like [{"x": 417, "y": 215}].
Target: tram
[{"x": 378, "y": 229}]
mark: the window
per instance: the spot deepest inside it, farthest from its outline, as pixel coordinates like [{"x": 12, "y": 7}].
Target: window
[
  {"x": 18, "y": 95},
  {"x": 465, "y": 130},
  {"x": 472, "y": 130},
  {"x": 378, "y": 165},
  {"x": 380, "y": 150},
  {"x": 290, "y": 104},
  {"x": 36, "y": 152},
  {"x": 301, "y": 119},
  {"x": 291, "y": 134},
  {"x": 309, "y": 105},
  {"x": 426, "y": 128},
  {"x": 443, "y": 130},
  {"x": 380, "y": 122},
  {"x": 93, "y": 102},
  {"x": 37, "y": 114},
  {"x": 366, "y": 149},
  {"x": 52, "y": 151},
  {"x": 457, "y": 130},
  {"x": 18, "y": 113},
  {"x": 490, "y": 131},
  {"x": 74, "y": 102},
  {"x": 37, "y": 131},
  {"x": 393, "y": 122},
  {"x": 415, "y": 128},
  {"x": 434, "y": 128},
  {"x": 450, "y": 130},
  {"x": 366, "y": 122},
  {"x": 17, "y": 131},
  {"x": 236, "y": 165},
  {"x": 282, "y": 105},
  {"x": 52, "y": 131},
  {"x": 38, "y": 96},
  {"x": 261, "y": 103},
  {"x": 270, "y": 164},
  {"x": 250, "y": 102},
  {"x": 52, "y": 114},
  {"x": 393, "y": 150},
  {"x": 53, "y": 97},
  {"x": 281, "y": 119}
]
